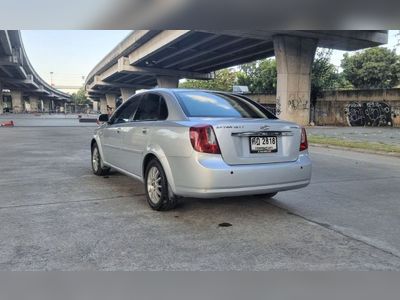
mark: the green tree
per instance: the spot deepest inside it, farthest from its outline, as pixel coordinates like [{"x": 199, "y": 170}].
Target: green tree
[
  {"x": 324, "y": 75},
  {"x": 342, "y": 83},
  {"x": 372, "y": 68},
  {"x": 79, "y": 98},
  {"x": 223, "y": 81},
  {"x": 259, "y": 76}
]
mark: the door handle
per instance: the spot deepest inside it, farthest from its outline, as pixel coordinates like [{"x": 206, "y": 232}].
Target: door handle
[
  {"x": 144, "y": 130},
  {"x": 118, "y": 130}
]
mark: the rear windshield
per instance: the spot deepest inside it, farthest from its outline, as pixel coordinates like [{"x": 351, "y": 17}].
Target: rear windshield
[{"x": 220, "y": 105}]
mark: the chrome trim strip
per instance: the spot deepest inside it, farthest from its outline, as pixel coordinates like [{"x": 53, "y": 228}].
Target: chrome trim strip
[{"x": 263, "y": 133}]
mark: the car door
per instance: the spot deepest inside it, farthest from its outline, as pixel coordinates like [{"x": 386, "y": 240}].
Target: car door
[
  {"x": 152, "y": 108},
  {"x": 112, "y": 133}
]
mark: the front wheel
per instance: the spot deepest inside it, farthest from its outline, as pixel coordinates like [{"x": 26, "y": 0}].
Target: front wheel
[
  {"x": 156, "y": 187},
  {"x": 97, "y": 162}
]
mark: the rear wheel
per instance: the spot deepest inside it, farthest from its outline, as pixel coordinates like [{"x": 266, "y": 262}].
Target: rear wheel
[
  {"x": 97, "y": 162},
  {"x": 156, "y": 186}
]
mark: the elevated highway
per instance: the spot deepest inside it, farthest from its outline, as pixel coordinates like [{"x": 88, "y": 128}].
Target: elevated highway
[
  {"x": 26, "y": 90},
  {"x": 149, "y": 58}
]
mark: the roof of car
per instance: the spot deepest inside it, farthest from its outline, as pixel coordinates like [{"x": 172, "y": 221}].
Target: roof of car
[{"x": 186, "y": 90}]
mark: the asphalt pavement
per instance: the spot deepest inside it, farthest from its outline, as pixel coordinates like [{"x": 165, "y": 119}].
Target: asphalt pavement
[
  {"x": 384, "y": 135},
  {"x": 56, "y": 215}
]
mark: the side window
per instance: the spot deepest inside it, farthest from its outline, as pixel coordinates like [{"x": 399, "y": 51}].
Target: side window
[
  {"x": 152, "y": 108},
  {"x": 126, "y": 112}
]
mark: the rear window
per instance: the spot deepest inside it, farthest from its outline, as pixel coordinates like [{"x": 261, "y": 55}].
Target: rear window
[{"x": 220, "y": 105}]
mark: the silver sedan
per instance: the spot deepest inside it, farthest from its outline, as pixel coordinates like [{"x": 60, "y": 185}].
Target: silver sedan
[{"x": 205, "y": 144}]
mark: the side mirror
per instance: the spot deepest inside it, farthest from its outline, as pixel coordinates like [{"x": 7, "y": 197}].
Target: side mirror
[{"x": 103, "y": 118}]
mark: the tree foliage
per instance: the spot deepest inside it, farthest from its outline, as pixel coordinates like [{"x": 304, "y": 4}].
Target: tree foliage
[
  {"x": 324, "y": 75},
  {"x": 372, "y": 68},
  {"x": 259, "y": 76},
  {"x": 79, "y": 98},
  {"x": 223, "y": 81}
]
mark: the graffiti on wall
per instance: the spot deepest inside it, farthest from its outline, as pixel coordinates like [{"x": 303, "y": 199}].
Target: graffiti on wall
[
  {"x": 297, "y": 103},
  {"x": 369, "y": 114},
  {"x": 278, "y": 106}
]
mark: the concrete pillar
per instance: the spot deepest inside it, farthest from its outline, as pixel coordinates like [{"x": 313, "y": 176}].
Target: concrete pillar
[
  {"x": 294, "y": 57},
  {"x": 46, "y": 105},
  {"x": 126, "y": 93},
  {"x": 27, "y": 105},
  {"x": 34, "y": 103},
  {"x": 95, "y": 106},
  {"x": 17, "y": 101},
  {"x": 167, "y": 81},
  {"x": 111, "y": 101},
  {"x": 103, "y": 105},
  {"x": 1, "y": 98}
]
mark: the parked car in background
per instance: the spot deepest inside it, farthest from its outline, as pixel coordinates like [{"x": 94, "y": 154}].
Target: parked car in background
[
  {"x": 195, "y": 143},
  {"x": 240, "y": 89}
]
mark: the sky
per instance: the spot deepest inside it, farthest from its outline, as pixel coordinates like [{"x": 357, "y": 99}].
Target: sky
[{"x": 71, "y": 54}]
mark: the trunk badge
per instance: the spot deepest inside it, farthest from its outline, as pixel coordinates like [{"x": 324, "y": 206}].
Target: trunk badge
[{"x": 264, "y": 127}]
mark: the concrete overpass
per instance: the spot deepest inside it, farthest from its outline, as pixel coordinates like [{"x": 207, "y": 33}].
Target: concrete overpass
[
  {"x": 149, "y": 58},
  {"x": 27, "y": 91}
]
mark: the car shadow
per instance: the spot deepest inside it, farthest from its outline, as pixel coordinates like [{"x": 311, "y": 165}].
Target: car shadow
[
  {"x": 134, "y": 188},
  {"x": 188, "y": 204}
]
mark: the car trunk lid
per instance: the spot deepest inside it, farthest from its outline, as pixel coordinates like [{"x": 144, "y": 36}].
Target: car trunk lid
[{"x": 234, "y": 136}]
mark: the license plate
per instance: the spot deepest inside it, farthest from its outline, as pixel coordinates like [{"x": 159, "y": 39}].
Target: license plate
[{"x": 263, "y": 144}]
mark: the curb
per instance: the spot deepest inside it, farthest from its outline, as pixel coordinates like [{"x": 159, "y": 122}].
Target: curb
[{"x": 393, "y": 154}]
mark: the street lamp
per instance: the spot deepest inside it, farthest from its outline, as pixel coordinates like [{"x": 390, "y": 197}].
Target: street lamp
[{"x": 51, "y": 78}]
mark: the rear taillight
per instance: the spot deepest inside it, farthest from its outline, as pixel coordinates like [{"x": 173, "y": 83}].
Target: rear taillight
[
  {"x": 303, "y": 140},
  {"x": 203, "y": 139}
]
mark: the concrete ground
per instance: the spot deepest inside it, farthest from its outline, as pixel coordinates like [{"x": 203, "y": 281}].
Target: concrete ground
[
  {"x": 56, "y": 215},
  {"x": 385, "y": 135},
  {"x": 46, "y": 120}
]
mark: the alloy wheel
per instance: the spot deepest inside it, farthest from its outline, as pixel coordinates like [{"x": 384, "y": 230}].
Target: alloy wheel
[
  {"x": 154, "y": 188},
  {"x": 96, "y": 159}
]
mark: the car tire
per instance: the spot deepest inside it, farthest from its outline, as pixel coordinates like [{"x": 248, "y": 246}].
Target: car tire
[
  {"x": 97, "y": 162},
  {"x": 157, "y": 189}
]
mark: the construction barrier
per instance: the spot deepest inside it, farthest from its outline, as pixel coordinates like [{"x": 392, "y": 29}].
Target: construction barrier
[{"x": 7, "y": 124}]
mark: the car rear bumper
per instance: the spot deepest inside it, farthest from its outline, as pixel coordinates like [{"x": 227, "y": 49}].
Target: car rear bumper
[{"x": 208, "y": 176}]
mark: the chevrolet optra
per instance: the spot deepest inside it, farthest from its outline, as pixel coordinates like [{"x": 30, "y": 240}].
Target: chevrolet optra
[{"x": 204, "y": 144}]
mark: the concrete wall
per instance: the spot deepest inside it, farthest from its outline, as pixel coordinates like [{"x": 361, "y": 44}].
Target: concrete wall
[
  {"x": 377, "y": 107},
  {"x": 263, "y": 98},
  {"x": 359, "y": 108}
]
